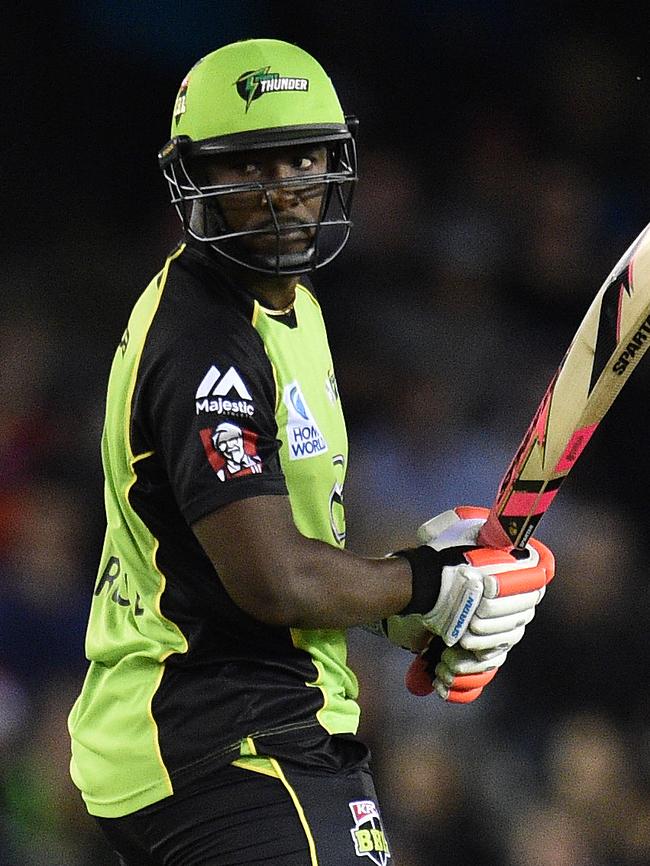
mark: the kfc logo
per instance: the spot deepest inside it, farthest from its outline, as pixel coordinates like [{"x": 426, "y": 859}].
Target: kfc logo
[{"x": 231, "y": 451}]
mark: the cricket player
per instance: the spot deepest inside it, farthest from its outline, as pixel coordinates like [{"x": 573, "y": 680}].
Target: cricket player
[{"x": 217, "y": 721}]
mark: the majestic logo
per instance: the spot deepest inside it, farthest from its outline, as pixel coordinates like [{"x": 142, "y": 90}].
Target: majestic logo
[
  {"x": 231, "y": 451},
  {"x": 303, "y": 436},
  {"x": 367, "y": 833},
  {"x": 214, "y": 389},
  {"x": 253, "y": 84}
]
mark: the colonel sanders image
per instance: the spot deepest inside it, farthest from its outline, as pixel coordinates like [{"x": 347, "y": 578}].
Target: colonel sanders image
[{"x": 228, "y": 441}]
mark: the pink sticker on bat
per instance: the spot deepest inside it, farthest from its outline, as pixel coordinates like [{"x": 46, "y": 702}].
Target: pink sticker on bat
[
  {"x": 522, "y": 504},
  {"x": 574, "y": 448}
]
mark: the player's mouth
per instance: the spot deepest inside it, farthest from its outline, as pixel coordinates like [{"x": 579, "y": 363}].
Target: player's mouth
[{"x": 288, "y": 234}]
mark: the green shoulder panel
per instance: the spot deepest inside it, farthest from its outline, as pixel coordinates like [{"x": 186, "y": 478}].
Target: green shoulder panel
[
  {"x": 314, "y": 455},
  {"x": 127, "y": 636}
]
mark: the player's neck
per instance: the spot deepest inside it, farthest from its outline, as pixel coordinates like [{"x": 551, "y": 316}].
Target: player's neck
[{"x": 276, "y": 293}]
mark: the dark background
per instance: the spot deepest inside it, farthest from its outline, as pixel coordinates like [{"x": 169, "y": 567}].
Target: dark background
[{"x": 504, "y": 161}]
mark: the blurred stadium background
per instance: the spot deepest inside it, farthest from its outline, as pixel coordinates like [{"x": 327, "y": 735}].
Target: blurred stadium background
[{"x": 504, "y": 159}]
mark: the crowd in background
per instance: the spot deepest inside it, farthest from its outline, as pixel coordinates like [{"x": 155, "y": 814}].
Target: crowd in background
[{"x": 504, "y": 164}]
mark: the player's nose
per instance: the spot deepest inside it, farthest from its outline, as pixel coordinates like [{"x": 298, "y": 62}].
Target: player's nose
[
  {"x": 280, "y": 199},
  {"x": 279, "y": 168}
]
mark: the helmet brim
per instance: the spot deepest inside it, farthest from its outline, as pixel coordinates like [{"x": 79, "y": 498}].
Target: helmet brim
[
  {"x": 259, "y": 139},
  {"x": 266, "y": 138}
]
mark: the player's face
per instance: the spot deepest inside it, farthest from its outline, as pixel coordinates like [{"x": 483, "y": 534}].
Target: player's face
[{"x": 293, "y": 206}]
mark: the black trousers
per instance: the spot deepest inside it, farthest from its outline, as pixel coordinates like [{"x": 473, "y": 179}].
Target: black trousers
[{"x": 261, "y": 810}]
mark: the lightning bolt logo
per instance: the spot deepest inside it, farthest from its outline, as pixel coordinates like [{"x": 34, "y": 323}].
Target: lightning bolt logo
[{"x": 248, "y": 84}]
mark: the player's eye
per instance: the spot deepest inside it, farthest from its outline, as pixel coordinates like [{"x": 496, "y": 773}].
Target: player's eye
[
  {"x": 244, "y": 167},
  {"x": 249, "y": 168},
  {"x": 308, "y": 162}
]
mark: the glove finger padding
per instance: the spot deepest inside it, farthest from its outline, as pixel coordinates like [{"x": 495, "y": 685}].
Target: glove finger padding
[
  {"x": 495, "y": 625},
  {"x": 514, "y": 572},
  {"x": 513, "y": 585},
  {"x": 420, "y": 674},
  {"x": 464, "y": 688},
  {"x": 460, "y": 676},
  {"x": 503, "y": 640},
  {"x": 509, "y": 604},
  {"x": 458, "y": 527},
  {"x": 431, "y": 671},
  {"x": 456, "y": 661}
]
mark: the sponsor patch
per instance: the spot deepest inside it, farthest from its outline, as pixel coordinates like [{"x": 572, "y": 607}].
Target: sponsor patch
[
  {"x": 180, "y": 106},
  {"x": 231, "y": 450},
  {"x": 218, "y": 394},
  {"x": 303, "y": 436},
  {"x": 337, "y": 510},
  {"x": 256, "y": 82},
  {"x": 368, "y": 833},
  {"x": 331, "y": 387}
]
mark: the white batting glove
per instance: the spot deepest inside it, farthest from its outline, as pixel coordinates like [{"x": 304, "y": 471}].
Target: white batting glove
[
  {"x": 514, "y": 582},
  {"x": 461, "y": 584}
]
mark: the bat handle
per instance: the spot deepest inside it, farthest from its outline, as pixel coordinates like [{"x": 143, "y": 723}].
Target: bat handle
[{"x": 492, "y": 534}]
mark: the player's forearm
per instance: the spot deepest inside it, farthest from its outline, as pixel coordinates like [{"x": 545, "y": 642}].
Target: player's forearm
[
  {"x": 326, "y": 587},
  {"x": 281, "y": 577}
]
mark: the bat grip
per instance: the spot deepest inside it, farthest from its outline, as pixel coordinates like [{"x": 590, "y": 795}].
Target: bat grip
[{"x": 492, "y": 534}]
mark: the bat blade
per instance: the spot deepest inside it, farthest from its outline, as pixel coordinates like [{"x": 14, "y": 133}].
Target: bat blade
[{"x": 606, "y": 349}]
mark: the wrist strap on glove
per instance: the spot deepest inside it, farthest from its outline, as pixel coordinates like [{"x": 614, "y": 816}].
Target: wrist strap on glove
[
  {"x": 426, "y": 570},
  {"x": 426, "y": 567}
]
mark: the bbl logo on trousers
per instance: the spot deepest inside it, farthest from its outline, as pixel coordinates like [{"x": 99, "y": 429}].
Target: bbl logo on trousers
[{"x": 367, "y": 833}]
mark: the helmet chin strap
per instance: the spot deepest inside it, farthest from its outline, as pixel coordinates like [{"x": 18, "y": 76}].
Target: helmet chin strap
[{"x": 280, "y": 264}]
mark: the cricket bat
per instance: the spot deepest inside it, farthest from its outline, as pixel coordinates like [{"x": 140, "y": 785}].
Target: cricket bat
[{"x": 606, "y": 349}]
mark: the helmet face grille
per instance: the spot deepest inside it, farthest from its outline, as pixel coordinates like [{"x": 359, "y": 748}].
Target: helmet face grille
[{"x": 201, "y": 207}]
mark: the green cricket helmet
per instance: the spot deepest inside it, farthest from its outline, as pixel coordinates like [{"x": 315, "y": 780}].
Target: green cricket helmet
[{"x": 252, "y": 95}]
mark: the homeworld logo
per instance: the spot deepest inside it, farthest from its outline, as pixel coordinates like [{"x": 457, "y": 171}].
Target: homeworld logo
[
  {"x": 255, "y": 83},
  {"x": 303, "y": 436},
  {"x": 218, "y": 393}
]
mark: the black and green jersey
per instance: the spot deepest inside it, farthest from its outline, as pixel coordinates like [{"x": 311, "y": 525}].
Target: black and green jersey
[{"x": 211, "y": 398}]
